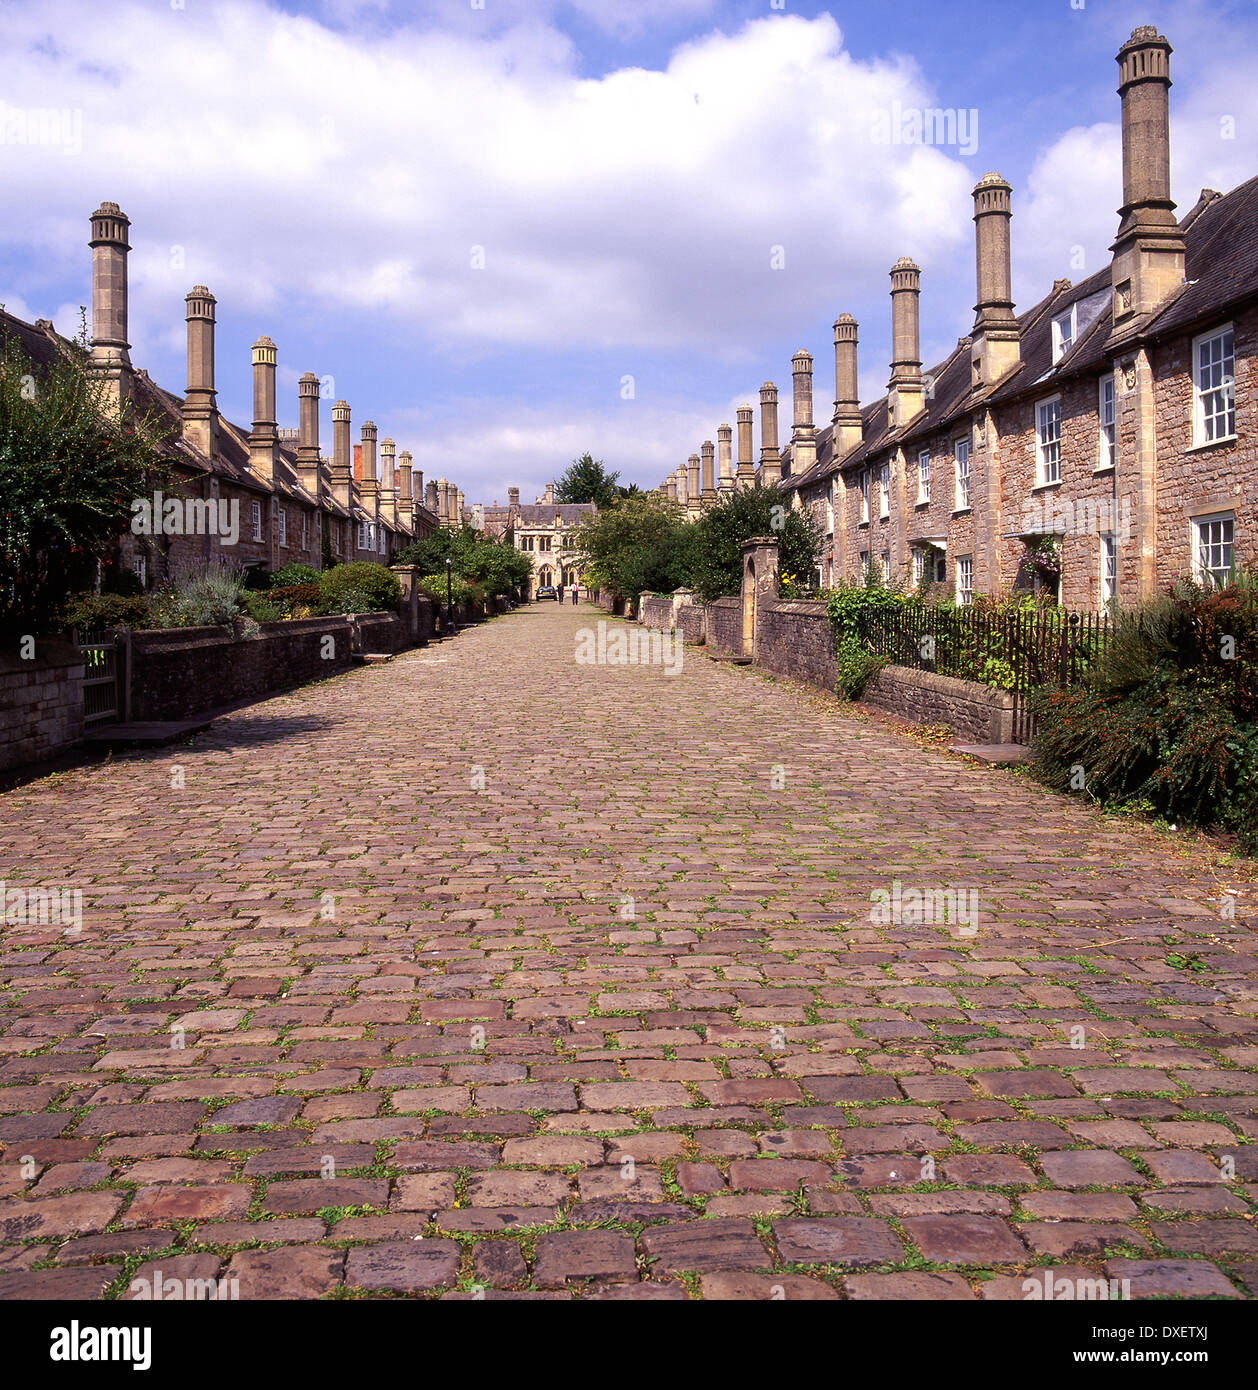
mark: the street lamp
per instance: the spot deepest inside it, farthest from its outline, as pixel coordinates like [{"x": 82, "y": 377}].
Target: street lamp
[{"x": 450, "y": 592}]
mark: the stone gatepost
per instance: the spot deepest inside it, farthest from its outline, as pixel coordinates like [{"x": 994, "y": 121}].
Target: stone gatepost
[
  {"x": 760, "y": 586},
  {"x": 681, "y": 599},
  {"x": 408, "y": 578}
]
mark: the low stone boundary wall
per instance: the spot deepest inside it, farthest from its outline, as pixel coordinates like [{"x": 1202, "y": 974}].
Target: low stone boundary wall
[
  {"x": 975, "y": 712},
  {"x": 41, "y": 703},
  {"x": 691, "y": 623},
  {"x": 723, "y": 626},
  {"x": 657, "y": 612},
  {"x": 797, "y": 640},
  {"x": 178, "y": 672}
]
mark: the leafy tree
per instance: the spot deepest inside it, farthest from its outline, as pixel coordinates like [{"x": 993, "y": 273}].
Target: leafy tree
[
  {"x": 716, "y": 556},
  {"x": 638, "y": 543},
  {"x": 71, "y": 463},
  {"x": 495, "y": 566},
  {"x": 588, "y": 481}
]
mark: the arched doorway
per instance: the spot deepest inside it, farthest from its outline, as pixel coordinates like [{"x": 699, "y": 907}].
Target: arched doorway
[{"x": 749, "y": 608}]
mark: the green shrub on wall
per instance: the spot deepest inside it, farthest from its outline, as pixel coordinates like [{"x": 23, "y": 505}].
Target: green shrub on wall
[
  {"x": 1167, "y": 719},
  {"x": 375, "y": 586}
]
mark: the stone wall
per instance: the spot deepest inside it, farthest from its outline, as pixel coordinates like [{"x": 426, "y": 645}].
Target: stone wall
[
  {"x": 41, "y": 703},
  {"x": 690, "y": 623},
  {"x": 723, "y": 626},
  {"x": 657, "y": 612},
  {"x": 975, "y": 712},
  {"x": 797, "y": 640},
  {"x": 179, "y": 672}
]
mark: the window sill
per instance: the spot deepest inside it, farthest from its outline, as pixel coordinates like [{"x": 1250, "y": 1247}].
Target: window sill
[
  {"x": 1211, "y": 444},
  {"x": 863, "y": 525},
  {"x": 920, "y": 503},
  {"x": 962, "y": 511},
  {"x": 1046, "y": 487},
  {"x": 1103, "y": 468}
]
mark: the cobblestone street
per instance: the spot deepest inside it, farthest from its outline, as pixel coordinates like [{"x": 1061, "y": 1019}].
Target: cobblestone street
[{"x": 485, "y": 970}]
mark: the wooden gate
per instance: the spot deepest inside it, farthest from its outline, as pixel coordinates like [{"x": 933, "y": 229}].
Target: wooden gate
[{"x": 106, "y": 677}]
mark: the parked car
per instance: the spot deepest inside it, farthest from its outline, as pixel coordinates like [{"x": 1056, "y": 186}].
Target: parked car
[{"x": 547, "y": 591}]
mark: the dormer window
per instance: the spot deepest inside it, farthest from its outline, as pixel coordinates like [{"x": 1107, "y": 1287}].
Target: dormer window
[{"x": 1065, "y": 327}]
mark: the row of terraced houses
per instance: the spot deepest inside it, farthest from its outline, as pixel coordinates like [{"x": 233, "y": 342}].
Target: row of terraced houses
[
  {"x": 1101, "y": 443},
  {"x": 287, "y": 500}
]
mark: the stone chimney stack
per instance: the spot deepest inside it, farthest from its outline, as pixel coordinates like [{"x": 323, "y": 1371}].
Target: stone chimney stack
[
  {"x": 513, "y": 497},
  {"x": 905, "y": 388},
  {"x": 549, "y": 496},
  {"x": 406, "y": 491},
  {"x": 847, "y": 405},
  {"x": 803, "y": 433},
  {"x": 1149, "y": 252},
  {"x": 995, "y": 334},
  {"x": 200, "y": 410},
  {"x": 443, "y": 501},
  {"x": 109, "y": 348},
  {"x": 724, "y": 460},
  {"x": 431, "y": 499},
  {"x": 709, "y": 481},
  {"x": 459, "y": 503},
  {"x": 369, "y": 488},
  {"x": 746, "y": 464},
  {"x": 670, "y": 487},
  {"x": 308, "y": 471},
  {"x": 694, "y": 497},
  {"x": 770, "y": 459},
  {"x": 388, "y": 481},
  {"x": 342, "y": 478},
  {"x": 263, "y": 438}
]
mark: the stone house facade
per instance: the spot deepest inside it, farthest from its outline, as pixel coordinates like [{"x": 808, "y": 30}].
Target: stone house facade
[
  {"x": 245, "y": 498},
  {"x": 545, "y": 531},
  {"x": 1099, "y": 444}
]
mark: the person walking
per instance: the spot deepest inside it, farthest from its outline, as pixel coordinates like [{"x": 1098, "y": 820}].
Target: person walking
[
  {"x": 574, "y": 595},
  {"x": 560, "y": 592}
]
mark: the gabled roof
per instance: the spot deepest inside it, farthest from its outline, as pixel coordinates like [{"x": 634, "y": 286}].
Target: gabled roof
[{"x": 548, "y": 513}]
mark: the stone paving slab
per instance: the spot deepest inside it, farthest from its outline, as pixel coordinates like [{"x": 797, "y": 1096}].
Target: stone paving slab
[{"x": 503, "y": 976}]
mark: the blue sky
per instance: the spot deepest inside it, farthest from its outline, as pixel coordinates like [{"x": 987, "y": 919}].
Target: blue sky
[{"x": 330, "y": 169}]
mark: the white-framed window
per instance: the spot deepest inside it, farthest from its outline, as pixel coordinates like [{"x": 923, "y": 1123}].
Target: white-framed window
[
  {"x": 884, "y": 490},
  {"x": 1109, "y": 567},
  {"x": 1048, "y": 441},
  {"x": 140, "y": 568},
  {"x": 865, "y": 496},
  {"x": 1064, "y": 329},
  {"x": 1109, "y": 422},
  {"x": 962, "y": 454},
  {"x": 255, "y": 520},
  {"x": 384, "y": 541},
  {"x": 965, "y": 580},
  {"x": 1212, "y": 548},
  {"x": 362, "y": 536},
  {"x": 829, "y": 516},
  {"x": 923, "y": 476},
  {"x": 305, "y": 521},
  {"x": 864, "y": 565},
  {"x": 283, "y": 525},
  {"x": 1214, "y": 386},
  {"x": 884, "y": 562}
]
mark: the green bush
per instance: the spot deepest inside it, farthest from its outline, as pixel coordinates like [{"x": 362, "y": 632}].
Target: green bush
[
  {"x": 71, "y": 466},
  {"x": 292, "y": 574},
  {"x": 262, "y": 608},
  {"x": 374, "y": 586},
  {"x": 298, "y": 600},
  {"x": 89, "y": 613},
  {"x": 715, "y": 559},
  {"x": 1167, "y": 718}
]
